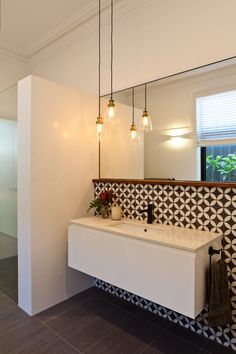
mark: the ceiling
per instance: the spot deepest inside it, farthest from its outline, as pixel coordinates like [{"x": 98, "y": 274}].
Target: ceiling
[{"x": 26, "y": 22}]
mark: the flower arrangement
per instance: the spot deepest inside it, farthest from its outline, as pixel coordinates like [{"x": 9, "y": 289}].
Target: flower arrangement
[{"x": 102, "y": 203}]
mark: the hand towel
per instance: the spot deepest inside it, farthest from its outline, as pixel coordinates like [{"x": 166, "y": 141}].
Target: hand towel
[{"x": 220, "y": 303}]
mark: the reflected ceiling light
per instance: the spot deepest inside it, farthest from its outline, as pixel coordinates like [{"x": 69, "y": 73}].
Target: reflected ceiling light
[
  {"x": 133, "y": 129},
  {"x": 99, "y": 121},
  {"x": 111, "y": 107},
  {"x": 146, "y": 120}
]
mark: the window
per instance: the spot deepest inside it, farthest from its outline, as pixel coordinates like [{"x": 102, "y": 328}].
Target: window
[
  {"x": 216, "y": 135},
  {"x": 218, "y": 163}
]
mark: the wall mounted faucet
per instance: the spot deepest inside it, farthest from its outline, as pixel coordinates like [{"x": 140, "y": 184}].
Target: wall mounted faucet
[{"x": 149, "y": 211}]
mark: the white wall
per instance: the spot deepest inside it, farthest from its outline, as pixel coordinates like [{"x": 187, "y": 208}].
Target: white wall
[
  {"x": 120, "y": 157},
  {"x": 57, "y": 161},
  {"x": 152, "y": 38}
]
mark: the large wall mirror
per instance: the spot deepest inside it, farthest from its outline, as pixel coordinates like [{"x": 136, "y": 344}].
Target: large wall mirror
[{"x": 193, "y": 134}]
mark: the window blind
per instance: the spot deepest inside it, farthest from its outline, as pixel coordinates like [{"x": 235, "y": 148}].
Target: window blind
[{"x": 216, "y": 119}]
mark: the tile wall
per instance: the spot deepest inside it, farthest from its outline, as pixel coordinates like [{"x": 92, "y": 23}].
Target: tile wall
[{"x": 202, "y": 208}]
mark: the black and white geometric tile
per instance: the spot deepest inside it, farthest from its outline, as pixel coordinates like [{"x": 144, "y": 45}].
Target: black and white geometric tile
[{"x": 203, "y": 208}]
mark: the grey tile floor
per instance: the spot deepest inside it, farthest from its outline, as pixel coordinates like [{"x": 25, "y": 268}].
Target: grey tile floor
[
  {"x": 8, "y": 277},
  {"x": 95, "y": 322},
  {"x": 8, "y": 246}
]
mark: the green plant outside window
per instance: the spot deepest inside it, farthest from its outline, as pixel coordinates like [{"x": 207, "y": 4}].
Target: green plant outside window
[{"x": 223, "y": 165}]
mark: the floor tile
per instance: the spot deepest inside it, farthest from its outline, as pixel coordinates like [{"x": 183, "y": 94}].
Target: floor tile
[
  {"x": 13, "y": 319},
  {"x": 55, "y": 311},
  {"x": 168, "y": 343},
  {"x": 153, "y": 318},
  {"x": 130, "y": 338},
  {"x": 215, "y": 348},
  {"x": 6, "y": 304},
  {"x": 76, "y": 302},
  {"x": 8, "y": 246},
  {"x": 115, "y": 300},
  {"x": 91, "y": 323},
  {"x": 8, "y": 277},
  {"x": 67, "y": 319},
  {"x": 187, "y": 335},
  {"x": 95, "y": 326},
  {"x": 33, "y": 337}
]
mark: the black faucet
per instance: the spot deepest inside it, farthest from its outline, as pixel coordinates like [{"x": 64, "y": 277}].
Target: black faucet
[{"x": 149, "y": 212}]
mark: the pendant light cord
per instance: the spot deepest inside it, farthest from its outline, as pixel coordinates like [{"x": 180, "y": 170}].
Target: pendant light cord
[
  {"x": 0, "y": 15},
  {"x": 99, "y": 59},
  {"x": 111, "y": 49},
  {"x": 145, "y": 108},
  {"x": 132, "y": 105}
]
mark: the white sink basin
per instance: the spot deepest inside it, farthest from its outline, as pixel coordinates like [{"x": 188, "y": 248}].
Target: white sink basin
[{"x": 135, "y": 228}]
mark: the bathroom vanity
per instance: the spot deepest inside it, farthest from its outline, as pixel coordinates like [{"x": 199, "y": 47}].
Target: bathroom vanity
[{"x": 164, "y": 264}]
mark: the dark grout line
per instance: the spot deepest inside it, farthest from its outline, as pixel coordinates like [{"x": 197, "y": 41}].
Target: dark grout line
[{"x": 59, "y": 336}]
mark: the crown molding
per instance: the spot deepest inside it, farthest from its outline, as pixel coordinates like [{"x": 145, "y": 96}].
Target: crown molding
[
  {"x": 86, "y": 19},
  {"x": 122, "y": 7},
  {"x": 13, "y": 53},
  {"x": 83, "y": 29},
  {"x": 58, "y": 31}
]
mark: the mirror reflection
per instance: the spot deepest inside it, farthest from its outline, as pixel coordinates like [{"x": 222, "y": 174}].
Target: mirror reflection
[{"x": 193, "y": 135}]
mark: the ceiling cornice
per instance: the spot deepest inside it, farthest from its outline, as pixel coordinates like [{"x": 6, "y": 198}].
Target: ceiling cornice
[
  {"x": 81, "y": 18},
  {"x": 77, "y": 19},
  {"x": 13, "y": 52}
]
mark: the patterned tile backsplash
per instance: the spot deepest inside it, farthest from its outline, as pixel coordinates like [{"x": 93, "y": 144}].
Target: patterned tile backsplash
[{"x": 203, "y": 208}]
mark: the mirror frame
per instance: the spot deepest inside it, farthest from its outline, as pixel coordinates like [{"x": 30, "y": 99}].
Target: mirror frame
[{"x": 164, "y": 181}]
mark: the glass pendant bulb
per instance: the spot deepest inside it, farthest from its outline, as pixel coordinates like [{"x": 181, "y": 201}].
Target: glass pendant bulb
[
  {"x": 111, "y": 112},
  {"x": 111, "y": 108},
  {"x": 146, "y": 121},
  {"x": 99, "y": 124},
  {"x": 134, "y": 132}
]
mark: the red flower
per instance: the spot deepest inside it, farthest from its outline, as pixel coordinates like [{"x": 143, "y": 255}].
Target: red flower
[{"x": 106, "y": 196}]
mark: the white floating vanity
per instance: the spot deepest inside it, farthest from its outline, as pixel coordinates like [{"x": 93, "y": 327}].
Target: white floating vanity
[{"x": 164, "y": 264}]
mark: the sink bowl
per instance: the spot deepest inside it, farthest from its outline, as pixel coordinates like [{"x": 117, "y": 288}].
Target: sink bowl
[{"x": 135, "y": 228}]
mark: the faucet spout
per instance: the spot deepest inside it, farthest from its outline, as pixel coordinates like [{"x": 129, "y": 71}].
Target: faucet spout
[{"x": 149, "y": 211}]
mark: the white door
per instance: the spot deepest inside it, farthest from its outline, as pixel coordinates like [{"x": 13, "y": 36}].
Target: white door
[{"x": 8, "y": 177}]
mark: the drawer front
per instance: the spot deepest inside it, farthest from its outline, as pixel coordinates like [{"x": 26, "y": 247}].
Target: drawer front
[{"x": 158, "y": 273}]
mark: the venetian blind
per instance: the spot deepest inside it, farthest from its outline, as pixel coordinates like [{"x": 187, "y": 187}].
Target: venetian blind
[{"x": 216, "y": 119}]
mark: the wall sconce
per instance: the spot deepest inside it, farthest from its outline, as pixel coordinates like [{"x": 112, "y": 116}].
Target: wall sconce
[
  {"x": 177, "y": 141},
  {"x": 178, "y": 136}
]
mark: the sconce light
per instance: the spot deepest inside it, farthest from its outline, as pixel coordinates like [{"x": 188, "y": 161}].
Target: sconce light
[
  {"x": 146, "y": 120},
  {"x": 111, "y": 107},
  {"x": 99, "y": 121},
  {"x": 134, "y": 135},
  {"x": 177, "y": 140}
]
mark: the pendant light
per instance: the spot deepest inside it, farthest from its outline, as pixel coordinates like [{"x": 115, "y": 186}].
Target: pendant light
[
  {"x": 111, "y": 107},
  {"x": 99, "y": 121},
  {"x": 133, "y": 129},
  {"x": 146, "y": 120}
]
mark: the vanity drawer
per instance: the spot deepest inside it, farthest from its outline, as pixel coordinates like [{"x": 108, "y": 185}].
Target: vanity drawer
[{"x": 168, "y": 276}]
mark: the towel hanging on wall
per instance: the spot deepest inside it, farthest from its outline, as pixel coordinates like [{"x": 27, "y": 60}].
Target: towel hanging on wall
[{"x": 219, "y": 303}]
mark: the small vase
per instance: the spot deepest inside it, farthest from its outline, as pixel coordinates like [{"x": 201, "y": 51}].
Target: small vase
[{"x": 105, "y": 212}]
